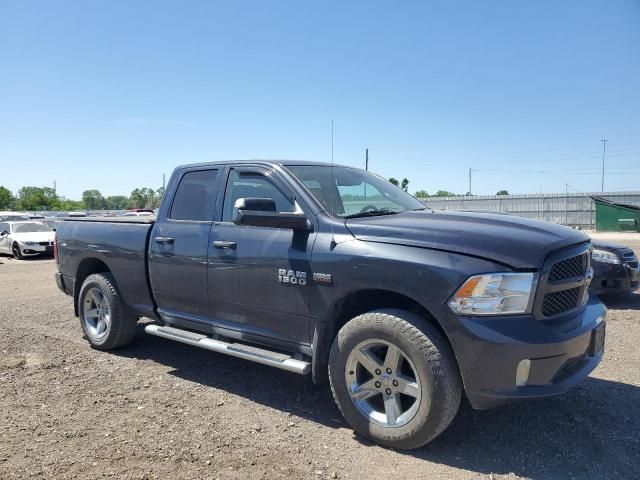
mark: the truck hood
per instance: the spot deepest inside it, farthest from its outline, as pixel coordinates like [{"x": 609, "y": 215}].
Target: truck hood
[{"x": 513, "y": 241}]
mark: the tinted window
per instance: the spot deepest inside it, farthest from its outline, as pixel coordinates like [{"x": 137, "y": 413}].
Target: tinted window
[
  {"x": 195, "y": 196},
  {"x": 4, "y": 227},
  {"x": 252, "y": 185}
]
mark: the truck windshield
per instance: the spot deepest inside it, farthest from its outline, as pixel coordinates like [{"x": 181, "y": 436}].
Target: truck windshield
[
  {"x": 30, "y": 227},
  {"x": 350, "y": 192}
]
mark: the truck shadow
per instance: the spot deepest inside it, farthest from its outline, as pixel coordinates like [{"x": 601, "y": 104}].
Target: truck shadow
[{"x": 590, "y": 432}]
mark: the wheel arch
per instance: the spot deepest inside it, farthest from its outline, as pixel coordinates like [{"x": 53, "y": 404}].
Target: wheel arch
[
  {"x": 87, "y": 266},
  {"x": 351, "y": 305}
]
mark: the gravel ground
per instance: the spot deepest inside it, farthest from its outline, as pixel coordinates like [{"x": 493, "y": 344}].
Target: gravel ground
[{"x": 158, "y": 409}]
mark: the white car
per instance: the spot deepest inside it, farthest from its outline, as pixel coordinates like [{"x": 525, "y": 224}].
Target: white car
[
  {"x": 26, "y": 239},
  {"x": 137, "y": 214}
]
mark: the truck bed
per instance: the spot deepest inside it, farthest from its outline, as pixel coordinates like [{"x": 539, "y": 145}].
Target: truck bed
[
  {"x": 145, "y": 219},
  {"x": 119, "y": 242}
]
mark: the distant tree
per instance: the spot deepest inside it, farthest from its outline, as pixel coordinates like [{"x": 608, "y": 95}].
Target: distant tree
[
  {"x": 116, "y": 202},
  {"x": 93, "y": 200},
  {"x": 421, "y": 194},
  {"x": 445, "y": 193},
  {"x": 394, "y": 181},
  {"x": 143, "y": 198},
  {"x": 7, "y": 200},
  {"x": 66, "y": 205},
  {"x": 37, "y": 198},
  {"x": 405, "y": 184},
  {"x": 502, "y": 192},
  {"x": 158, "y": 197},
  {"x": 136, "y": 199}
]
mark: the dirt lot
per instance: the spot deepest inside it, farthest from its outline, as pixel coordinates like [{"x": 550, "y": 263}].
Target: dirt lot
[{"x": 158, "y": 409}]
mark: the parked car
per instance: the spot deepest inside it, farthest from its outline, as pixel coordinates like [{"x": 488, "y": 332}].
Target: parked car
[
  {"x": 616, "y": 269},
  {"x": 143, "y": 213},
  {"x": 13, "y": 216},
  {"x": 51, "y": 222},
  {"x": 334, "y": 272},
  {"x": 139, "y": 211},
  {"x": 26, "y": 239}
]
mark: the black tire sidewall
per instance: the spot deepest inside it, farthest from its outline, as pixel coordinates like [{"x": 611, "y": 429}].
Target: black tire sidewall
[
  {"x": 15, "y": 248},
  {"x": 104, "y": 283},
  {"x": 433, "y": 410}
]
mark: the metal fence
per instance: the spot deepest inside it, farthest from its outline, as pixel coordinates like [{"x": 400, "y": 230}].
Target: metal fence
[{"x": 574, "y": 209}]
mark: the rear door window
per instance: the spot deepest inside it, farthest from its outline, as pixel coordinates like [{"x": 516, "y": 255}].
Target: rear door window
[{"x": 195, "y": 196}]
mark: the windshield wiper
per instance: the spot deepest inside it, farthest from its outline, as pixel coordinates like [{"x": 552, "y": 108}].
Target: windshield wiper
[{"x": 372, "y": 213}]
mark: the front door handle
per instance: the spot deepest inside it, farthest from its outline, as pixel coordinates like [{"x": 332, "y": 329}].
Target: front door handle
[
  {"x": 224, "y": 244},
  {"x": 164, "y": 240}
]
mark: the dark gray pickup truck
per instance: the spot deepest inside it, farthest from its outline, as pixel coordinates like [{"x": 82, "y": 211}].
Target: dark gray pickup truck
[{"x": 333, "y": 271}]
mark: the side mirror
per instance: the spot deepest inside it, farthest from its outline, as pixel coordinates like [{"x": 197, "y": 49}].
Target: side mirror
[
  {"x": 4, "y": 234},
  {"x": 261, "y": 212}
]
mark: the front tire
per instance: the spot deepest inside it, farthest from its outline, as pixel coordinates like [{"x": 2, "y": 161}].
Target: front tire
[
  {"x": 103, "y": 315},
  {"x": 394, "y": 378},
  {"x": 17, "y": 254}
]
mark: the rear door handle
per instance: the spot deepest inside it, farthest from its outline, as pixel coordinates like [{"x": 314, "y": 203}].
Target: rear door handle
[
  {"x": 224, "y": 244},
  {"x": 164, "y": 240}
]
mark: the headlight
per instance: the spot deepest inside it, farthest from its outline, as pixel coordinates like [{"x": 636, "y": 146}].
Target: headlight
[
  {"x": 604, "y": 256},
  {"x": 494, "y": 294}
]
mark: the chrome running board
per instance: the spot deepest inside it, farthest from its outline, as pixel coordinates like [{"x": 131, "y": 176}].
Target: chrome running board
[{"x": 247, "y": 352}]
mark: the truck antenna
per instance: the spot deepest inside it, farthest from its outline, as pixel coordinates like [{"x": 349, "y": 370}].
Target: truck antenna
[{"x": 333, "y": 185}]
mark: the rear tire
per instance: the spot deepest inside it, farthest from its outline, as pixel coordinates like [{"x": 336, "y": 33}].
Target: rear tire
[
  {"x": 405, "y": 400},
  {"x": 103, "y": 315},
  {"x": 17, "y": 254}
]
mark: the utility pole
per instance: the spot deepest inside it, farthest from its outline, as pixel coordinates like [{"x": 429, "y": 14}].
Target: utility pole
[
  {"x": 604, "y": 149},
  {"x": 366, "y": 167},
  {"x": 470, "y": 170}
]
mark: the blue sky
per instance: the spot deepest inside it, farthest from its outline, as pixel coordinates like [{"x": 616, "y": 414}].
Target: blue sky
[{"x": 111, "y": 94}]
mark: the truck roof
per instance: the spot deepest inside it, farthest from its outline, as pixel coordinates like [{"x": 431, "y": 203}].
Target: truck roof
[{"x": 286, "y": 163}]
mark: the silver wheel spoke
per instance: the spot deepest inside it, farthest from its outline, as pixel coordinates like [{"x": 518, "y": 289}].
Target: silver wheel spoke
[
  {"x": 392, "y": 408},
  {"x": 369, "y": 378},
  {"x": 408, "y": 386},
  {"x": 369, "y": 360},
  {"x": 98, "y": 298},
  {"x": 364, "y": 391},
  {"x": 97, "y": 318},
  {"x": 393, "y": 358}
]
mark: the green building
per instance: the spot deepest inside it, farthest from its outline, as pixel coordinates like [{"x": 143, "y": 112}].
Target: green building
[{"x": 616, "y": 217}]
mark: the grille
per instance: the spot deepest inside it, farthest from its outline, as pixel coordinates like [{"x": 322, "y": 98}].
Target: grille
[
  {"x": 628, "y": 254},
  {"x": 633, "y": 264},
  {"x": 571, "y": 267},
  {"x": 45, "y": 244},
  {"x": 558, "y": 302}
]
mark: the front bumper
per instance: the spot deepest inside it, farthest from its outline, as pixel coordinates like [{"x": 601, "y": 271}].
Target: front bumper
[
  {"x": 489, "y": 351},
  {"x": 36, "y": 249},
  {"x": 614, "y": 278}
]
